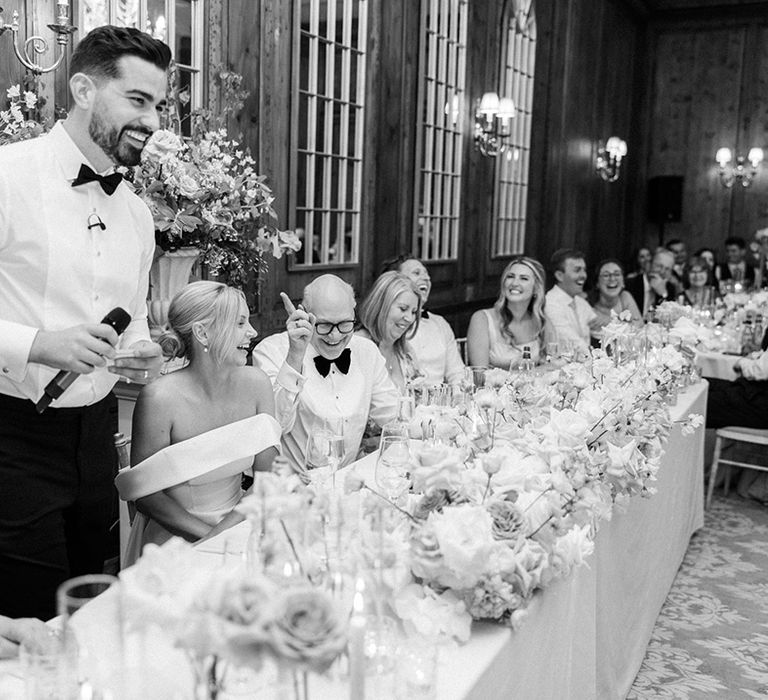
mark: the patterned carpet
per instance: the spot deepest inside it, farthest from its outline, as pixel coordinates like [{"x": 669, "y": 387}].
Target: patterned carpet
[{"x": 711, "y": 639}]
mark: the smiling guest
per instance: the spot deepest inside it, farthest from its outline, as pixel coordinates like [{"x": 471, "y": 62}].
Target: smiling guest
[
  {"x": 569, "y": 316},
  {"x": 433, "y": 343},
  {"x": 390, "y": 317},
  {"x": 196, "y": 430},
  {"x": 322, "y": 372},
  {"x": 497, "y": 336},
  {"x": 609, "y": 298},
  {"x": 75, "y": 242}
]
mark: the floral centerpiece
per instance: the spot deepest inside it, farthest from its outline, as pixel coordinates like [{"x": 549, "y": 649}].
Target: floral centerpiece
[
  {"x": 204, "y": 191},
  {"x": 21, "y": 121}
]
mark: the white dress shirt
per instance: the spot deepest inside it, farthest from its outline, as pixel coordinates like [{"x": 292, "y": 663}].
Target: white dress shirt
[
  {"x": 303, "y": 401},
  {"x": 437, "y": 355},
  {"x": 55, "y": 272},
  {"x": 568, "y": 318},
  {"x": 755, "y": 368}
]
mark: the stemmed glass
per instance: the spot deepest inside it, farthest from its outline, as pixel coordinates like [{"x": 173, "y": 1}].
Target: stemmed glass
[
  {"x": 392, "y": 465},
  {"x": 325, "y": 447}
]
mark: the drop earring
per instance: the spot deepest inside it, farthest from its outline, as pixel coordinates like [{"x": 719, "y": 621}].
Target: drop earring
[{"x": 205, "y": 348}]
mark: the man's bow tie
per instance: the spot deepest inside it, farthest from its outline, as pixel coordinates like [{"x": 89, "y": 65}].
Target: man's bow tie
[
  {"x": 424, "y": 313},
  {"x": 108, "y": 183},
  {"x": 342, "y": 363}
]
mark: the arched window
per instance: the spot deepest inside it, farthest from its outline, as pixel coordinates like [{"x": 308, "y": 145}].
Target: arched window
[
  {"x": 179, "y": 23},
  {"x": 516, "y": 81},
  {"x": 328, "y": 129},
  {"x": 442, "y": 83}
]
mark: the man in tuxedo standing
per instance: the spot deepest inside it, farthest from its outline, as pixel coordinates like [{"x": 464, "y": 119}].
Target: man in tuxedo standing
[
  {"x": 650, "y": 290},
  {"x": 75, "y": 242},
  {"x": 324, "y": 374}
]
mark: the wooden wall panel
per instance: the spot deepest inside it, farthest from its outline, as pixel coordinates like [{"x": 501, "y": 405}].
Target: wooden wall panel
[
  {"x": 709, "y": 85},
  {"x": 595, "y": 81}
]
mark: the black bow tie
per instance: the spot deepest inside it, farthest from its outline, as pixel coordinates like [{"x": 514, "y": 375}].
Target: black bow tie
[
  {"x": 108, "y": 183},
  {"x": 342, "y": 363},
  {"x": 424, "y": 313}
]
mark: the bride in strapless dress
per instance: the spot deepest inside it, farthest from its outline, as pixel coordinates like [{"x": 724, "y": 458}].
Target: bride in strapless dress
[{"x": 197, "y": 430}]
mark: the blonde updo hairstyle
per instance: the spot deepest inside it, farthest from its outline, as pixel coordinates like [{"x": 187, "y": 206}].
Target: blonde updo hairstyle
[{"x": 216, "y": 306}]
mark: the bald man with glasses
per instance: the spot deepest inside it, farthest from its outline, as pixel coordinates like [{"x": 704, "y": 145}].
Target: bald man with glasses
[{"x": 323, "y": 374}]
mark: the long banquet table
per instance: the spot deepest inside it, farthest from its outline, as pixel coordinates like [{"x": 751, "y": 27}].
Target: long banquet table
[{"x": 585, "y": 636}]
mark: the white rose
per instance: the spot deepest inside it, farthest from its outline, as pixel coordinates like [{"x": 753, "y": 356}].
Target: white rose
[{"x": 161, "y": 145}]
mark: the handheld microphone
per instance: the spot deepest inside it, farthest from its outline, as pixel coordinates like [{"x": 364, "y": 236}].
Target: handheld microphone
[{"x": 117, "y": 318}]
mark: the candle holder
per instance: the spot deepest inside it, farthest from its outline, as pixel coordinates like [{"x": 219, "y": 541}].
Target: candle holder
[{"x": 36, "y": 45}]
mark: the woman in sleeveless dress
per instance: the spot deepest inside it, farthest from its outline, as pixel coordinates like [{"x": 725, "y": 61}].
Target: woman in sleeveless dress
[
  {"x": 497, "y": 336},
  {"x": 390, "y": 316},
  {"x": 206, "y": 418}
]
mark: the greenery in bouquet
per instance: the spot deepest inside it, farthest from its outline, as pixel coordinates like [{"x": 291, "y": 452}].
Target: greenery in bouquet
[
  {"x": 21, "y": 120},
  {"x": 204, "y": 191}
]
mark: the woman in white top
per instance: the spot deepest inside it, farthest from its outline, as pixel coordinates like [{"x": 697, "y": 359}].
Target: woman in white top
[
  {"x": 497, "y": 336},
  {"x": 213, "y": 406},
  {"x": 390, "y": 316}
]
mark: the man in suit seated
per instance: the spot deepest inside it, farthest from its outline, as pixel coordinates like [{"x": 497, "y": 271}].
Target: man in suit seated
[
  {"x": 736, "y": 267},
  {"x": 323, "y": 374},
  {"x": 680, "y": 251},
  {"x": 650, "y": 290}
]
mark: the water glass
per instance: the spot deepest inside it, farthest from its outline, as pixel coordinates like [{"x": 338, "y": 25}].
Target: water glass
[
  {"x": 392, "y": 465},
  {"x": 49, "y": 673},
  {"x": 416, "y": 671},
  {"x": 97, "y": 673},
  {"x": 475, "y": 377},
  {"x": 552, "y": 351}
]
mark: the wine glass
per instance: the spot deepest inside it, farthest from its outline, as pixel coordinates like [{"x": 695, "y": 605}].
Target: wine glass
[{"x": 392, "y": 465}]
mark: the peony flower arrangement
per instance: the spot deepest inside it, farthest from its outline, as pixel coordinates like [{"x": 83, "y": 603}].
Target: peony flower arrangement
[{"x": 204, "y": 191}]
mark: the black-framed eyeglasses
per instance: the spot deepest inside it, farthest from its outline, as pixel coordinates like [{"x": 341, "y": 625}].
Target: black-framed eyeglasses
[{"x": 326, "y": 328}]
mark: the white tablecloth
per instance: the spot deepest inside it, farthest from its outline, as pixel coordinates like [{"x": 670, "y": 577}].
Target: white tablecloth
[
  {"x": 585, "y": 637},
  {"x": 716, "y": 365}
]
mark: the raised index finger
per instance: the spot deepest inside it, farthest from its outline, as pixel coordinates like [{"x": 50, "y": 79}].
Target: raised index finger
[{"x": 287, "y": 303}]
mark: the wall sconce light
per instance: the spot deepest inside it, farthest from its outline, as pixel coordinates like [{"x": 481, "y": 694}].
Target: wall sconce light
[
  {"x": 609, "y": 156},
  {"x": 493, "y": 123},
  {"x": 741, "y": 173},
  {"x": 62, "y": 29}
]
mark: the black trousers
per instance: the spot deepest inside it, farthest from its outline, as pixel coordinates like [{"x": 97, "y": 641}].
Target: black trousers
[
  {"x": 742, "y": 402},
  {"x": 56, "y": 499}
]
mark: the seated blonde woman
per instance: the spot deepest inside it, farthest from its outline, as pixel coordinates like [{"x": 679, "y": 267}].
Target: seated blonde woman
[
  {"x": 196, "y": 430},
  {"x": 609, "y": 297},
  {"x": 497, "y": 336},
  {"x": 390, "y": 316}
]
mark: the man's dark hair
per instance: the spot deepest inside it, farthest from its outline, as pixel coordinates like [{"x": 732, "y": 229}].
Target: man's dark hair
[
  {"x": 673, "y": 241},
  {"x": 557, "y": 261},
  {"x": 394, "y": 264},
  {"x": 98, "y": 54},
  {"x": 736, "y": 240}
]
